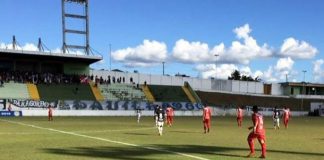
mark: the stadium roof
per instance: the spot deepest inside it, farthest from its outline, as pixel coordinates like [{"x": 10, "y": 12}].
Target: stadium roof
[
  {"x": 301, "y": 84},
  {"x": 21, "y": 54}
]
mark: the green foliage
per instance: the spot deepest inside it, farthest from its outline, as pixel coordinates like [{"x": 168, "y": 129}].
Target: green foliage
[{"x": 236, "y": 75}]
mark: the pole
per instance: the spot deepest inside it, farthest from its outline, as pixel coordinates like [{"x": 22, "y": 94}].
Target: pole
[
  {"x": 87, "y": 28},
  {"x": 163, "y": 68},
  {"x": 304, "y": 74},
  {"x": 110, "y": 57},
  {"x": 63, "y": 27},
  {"x": 303, "y": 91},
  {"x": 216, "y": 55}
]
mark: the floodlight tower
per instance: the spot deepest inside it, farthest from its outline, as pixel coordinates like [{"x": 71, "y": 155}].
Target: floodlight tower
[{"x": 85, "y": 32}]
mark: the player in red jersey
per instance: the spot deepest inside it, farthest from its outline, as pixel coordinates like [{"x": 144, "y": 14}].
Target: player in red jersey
[
  {"x": 239, "y": 116},
  {"x": 286, "y": 116},
  {"x": 170, "y": 114},
  {"x": 206, "y": 118},
  {"x": 50, "y": 113},
  {"x": 257, "y": 132}
]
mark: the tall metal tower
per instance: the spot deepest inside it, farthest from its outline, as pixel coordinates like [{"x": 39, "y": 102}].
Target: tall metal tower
[{"x": 72, "y": 16}]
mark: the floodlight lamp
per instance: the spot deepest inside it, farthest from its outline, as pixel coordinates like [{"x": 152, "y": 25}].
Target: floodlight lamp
[{"x": 76, "y": 1}]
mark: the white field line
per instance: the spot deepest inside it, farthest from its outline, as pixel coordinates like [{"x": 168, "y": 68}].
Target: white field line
[
  {"x": 92, "y": 131},
  {"x": 22, "y": 133},
  {"x": 114, "y": 130},
  {"x": 105, "y": 140}
]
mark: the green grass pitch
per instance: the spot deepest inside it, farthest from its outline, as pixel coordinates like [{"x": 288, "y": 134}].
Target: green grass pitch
[{"x": 80, "y": 138}]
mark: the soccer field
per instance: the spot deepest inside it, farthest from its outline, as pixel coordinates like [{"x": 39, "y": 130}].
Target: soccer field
[{"x": 79, "y": 138}]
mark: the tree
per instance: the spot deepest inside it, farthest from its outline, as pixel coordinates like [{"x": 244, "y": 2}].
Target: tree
[{"x": 236, "y": 75}]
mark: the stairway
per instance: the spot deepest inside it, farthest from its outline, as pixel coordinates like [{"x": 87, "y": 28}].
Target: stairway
[
  {"x": 148, "y": 93},
  {"x": 189, "y": 95},
  {"x": 96, "y": 92},
  {"x": 33, "y": 91}
]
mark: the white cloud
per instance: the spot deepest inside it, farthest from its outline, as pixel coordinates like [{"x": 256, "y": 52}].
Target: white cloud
[
  {"x": 268, "y": 75},
  {"x": 222, "y": 71},
  {"x": 33, "y": 47},
  {"x": 237, "y": 53},
  {"x": 258, "y": 74},
  {"x": 147, "y": 54},
  {"x": 26, "y": 47},
  {"x": 297, "y": 49},
  {"x": 318, "y": 71},
  {"x": 282, "y": 70},
  {"x": 243, "y": 31},
  {"x": 191, "y": 52},
  {"x": 30, "y": 47},
  {"x": 248, "y": 50},
  {"x": 246, "y": 71},
  {"x": 284, "y": 64},
  {"x": 2, "y": 46}
]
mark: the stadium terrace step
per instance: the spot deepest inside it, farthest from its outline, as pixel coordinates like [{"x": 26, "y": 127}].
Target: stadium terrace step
[
  {"x": 96, "y": 92},
  {"x": 165, "y": 93},
  {"x": 148, "y": 93},
  {"x": 234, "y": 100},
  {"x": 189, "y": 95},
  {"x": 33, "y": 92},
  {"x": 121, "y": 91},
  {"x": 13, "y": 90},
  {"x": 65, "y": 92}
]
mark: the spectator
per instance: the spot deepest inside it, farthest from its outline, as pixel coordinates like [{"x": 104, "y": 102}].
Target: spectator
[{"x": 1, "y": 81}]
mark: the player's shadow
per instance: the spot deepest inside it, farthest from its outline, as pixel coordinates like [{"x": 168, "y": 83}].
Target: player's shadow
[
  {"x": 138, "y": 134},
  {"x": 186, "y": 132},
  {"x": 138, "y": 152}
]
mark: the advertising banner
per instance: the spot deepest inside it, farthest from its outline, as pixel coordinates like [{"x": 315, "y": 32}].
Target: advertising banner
[
  {"x": 102, "y": 105},
  {"x": 10, "y": 113}
]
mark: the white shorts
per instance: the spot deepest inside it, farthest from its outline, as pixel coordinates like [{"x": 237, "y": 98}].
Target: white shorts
[
  {"x": 276, "y": 121},
  {"x": 160, "y": 124}
]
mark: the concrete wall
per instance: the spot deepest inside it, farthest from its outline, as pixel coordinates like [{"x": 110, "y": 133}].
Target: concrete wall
[
  {"x": 215, "y": 112},
  {"x": 80, "y": 68},
  {"x": 221, "y": 85},
  {"x": 276, "y": 89},
  {"x": 195, "y": 83}
]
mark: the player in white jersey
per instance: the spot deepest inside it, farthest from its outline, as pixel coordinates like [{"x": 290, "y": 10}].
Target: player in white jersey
[
  {"x": 139, "y": 113},
  {"x": 276, "y": 118},
  {"x": 160, "y": 119},
  {"x": 155, "y": 114}
]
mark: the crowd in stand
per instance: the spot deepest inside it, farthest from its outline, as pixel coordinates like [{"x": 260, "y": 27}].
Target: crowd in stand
[
  {"x": 112, "y": 79},
  {"x": 109, "y": 79},
  {"x": 39, "y": 78},
  {"x": 57, "y": 78}
]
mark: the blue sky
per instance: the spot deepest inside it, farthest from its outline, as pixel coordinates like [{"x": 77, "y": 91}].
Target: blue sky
[{"x": 269, "y": 38}]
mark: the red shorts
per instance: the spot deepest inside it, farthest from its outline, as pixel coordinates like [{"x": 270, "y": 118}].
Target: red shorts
[
  {"x": 169, "y": 118},
  {"x": 253, "y": 135},
  {"x": 207, "y": 123}
]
